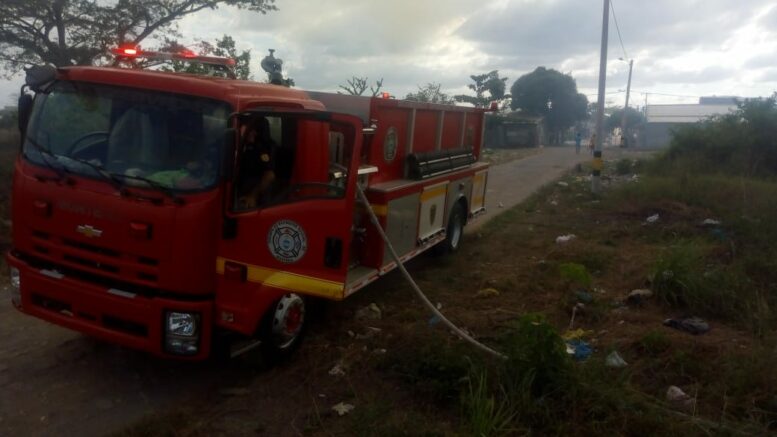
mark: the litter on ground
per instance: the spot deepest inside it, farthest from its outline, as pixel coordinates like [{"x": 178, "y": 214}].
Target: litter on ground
[
  {"x": 637, "y": 297},
  {"x": 579, "y": 349},
  {"x": 615, "y": 360},
  {"x": 342, "y": 408},
  {"x": 563, "y": 239},
  {"x": 652, "y": 219},
  {"x": 692, "y": 325}
]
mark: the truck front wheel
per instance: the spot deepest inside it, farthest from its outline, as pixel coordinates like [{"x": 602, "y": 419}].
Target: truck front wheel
[{"x": 283, "y": 327}]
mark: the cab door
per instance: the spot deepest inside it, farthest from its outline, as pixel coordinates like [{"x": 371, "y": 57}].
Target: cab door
[{"x": 296, "y": 238}]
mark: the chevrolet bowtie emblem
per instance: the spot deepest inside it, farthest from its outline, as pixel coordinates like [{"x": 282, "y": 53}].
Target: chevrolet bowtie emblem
[{"x": 88, "y": 231}]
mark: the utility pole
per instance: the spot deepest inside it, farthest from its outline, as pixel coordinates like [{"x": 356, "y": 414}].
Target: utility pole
[
  {"x": 597, "y": 163},
  {"x": 626, "y": 107}
]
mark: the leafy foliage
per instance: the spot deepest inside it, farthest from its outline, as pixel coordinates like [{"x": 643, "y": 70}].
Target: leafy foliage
[
  {"x": 633, "y": 118},
  {"x": 575, "y": 273},
  {"x": 552, "y": 95},
  {"x": 80, "y": 32},
  {"x": 356, "y": 86},
  {"x": 430, "y": 94},
  {"x": 743, "y": 142},
  {"x": 489, "y": 83}
]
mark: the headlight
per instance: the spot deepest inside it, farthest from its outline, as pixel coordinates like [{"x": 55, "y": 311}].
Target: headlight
[
  {"x": 184, "y": 324},
  {"x": 182, "y": 336},
  {"x": 16, "y": 285}
]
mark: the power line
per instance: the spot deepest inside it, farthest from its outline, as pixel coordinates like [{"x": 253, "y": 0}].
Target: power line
[
  {"x": 612, "y": 7},
  {"x": 666, "y": 94}
]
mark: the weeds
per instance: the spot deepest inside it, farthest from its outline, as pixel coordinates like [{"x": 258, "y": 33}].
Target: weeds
[{"x": 485, "y": 413}]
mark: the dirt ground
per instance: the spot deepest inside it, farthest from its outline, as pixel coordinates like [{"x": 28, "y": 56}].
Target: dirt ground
[{"x": 57, "y": 382}]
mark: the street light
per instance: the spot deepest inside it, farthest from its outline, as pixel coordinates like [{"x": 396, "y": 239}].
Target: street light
[{"x": 626, "y": 106}]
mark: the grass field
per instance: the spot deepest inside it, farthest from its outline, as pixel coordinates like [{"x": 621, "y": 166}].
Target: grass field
[{"x": 414, "y": 378}]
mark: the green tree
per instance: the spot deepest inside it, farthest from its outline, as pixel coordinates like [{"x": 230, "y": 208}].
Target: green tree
[
  {"x": 356, "y": 86},
  {"x": 489, "y": 83},
  {"x": 633, "y": 119},
  {"x": 80, "y": 32},
  {"x": 224, "y": 47},
  {"x": 552, "y": 95},
  {"x": 430, "y": 93}
]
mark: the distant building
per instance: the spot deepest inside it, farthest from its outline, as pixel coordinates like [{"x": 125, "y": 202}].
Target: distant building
[
  {"x": 513, "y": 130},
  {"x": 661, "y": 119}
]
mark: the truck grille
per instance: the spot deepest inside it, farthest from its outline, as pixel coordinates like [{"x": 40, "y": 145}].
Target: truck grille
[{"x": 95, "y": 259}]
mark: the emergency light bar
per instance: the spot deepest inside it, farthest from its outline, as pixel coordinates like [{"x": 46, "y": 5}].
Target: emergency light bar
[{"x": 186, "y": 55}]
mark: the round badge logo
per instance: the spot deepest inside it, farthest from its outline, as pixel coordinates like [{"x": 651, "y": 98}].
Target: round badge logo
[
  {"x": 287, "y": 241},
  {"x": 390, "y": 145}
]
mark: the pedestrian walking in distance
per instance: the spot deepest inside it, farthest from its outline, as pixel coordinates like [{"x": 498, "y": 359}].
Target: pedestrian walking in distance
[{"x": 578, "y": 141}]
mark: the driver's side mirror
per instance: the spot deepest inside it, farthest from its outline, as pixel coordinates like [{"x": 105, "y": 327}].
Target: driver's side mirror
[{"x": 24, "y": 108}]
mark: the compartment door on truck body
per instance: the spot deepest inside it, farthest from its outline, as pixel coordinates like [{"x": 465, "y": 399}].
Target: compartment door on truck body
[{"x": 291, "y": 231}]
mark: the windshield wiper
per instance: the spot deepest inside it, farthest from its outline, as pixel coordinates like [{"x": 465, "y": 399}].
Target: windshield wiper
[
  {"x": 60, "y": 171},
  {"x": 153, "y": 184},
  {"x": 105, "y": 174}
]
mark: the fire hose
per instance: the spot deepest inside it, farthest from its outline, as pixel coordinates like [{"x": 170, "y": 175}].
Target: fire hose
[{"x": 456, "y": 330}]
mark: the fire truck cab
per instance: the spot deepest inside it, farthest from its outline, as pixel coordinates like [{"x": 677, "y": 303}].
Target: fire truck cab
[{"x": 154, "y": 209}]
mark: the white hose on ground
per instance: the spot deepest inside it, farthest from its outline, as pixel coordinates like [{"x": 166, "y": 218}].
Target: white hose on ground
[{"x": 463, "y": 335}]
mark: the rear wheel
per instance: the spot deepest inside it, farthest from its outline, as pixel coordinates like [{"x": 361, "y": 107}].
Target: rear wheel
[
  {"x": 454, "y": 232},
  {"x": 283, "y": 327}
]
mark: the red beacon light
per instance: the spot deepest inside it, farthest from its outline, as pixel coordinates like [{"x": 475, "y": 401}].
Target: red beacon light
[
  {"x": 127, "y": 51},
  {"x": 186, "y": 53},
  {"x": 385, "y": 95}
]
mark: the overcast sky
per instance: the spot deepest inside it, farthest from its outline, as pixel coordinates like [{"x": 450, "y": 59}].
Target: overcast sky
[{"x": 680, "y": 47}]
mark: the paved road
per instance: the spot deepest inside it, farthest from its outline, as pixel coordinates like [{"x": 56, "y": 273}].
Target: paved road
[
  {"x": 511, "y": 183},
  {"x": 57, "y": 382}
]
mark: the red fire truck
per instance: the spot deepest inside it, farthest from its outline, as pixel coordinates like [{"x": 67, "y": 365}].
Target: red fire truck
[{"x": 164, "y": 211}]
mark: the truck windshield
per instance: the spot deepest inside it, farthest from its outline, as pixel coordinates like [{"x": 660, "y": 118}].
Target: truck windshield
[{"x": 174, "y": 141}]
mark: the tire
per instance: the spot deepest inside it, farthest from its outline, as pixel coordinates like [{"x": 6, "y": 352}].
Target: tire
[
  {"x": 283, "y": 327},
  {"x": 454, "y": 233}
]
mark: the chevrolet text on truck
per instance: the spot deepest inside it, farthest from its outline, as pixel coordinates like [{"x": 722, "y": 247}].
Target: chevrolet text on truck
[{"x": 174, "y": 213}]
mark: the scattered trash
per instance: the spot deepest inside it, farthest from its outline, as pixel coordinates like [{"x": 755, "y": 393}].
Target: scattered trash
[
  {"x": 578, "y": 307},
  {"x": 692, "y": 325},
  {"x": 351, "y": 334},
  {"x": 634, "y": 178},
  {"x": 563, "y": 239},
  {"x": 501, "y": 205},
  {"x": 710, "y": 222},
  {"x": 652, "y": 219},
  {"x": 579, "y": 349},
  {"x": 679, "y": 398},
  {"x": 615, "y": 360},
  {"x": 636, "y": 297},
  {"x": 342, "y": 408},
  {"x": 562, "y": 184},
  {"x": 370, "y": 312},
  {"x": 584, "y": 296},
  {"x": 576, "y": 334},
  {"x": 487, "y": 292},
  {"x": 379, "y": 352},
  {"x": 369, "y": 333},
  {"x": 554, "y": 202},
  {"x": 433, "y": 320},
  {"x": 234, "y": 391},
  {"x": 337, "y": 370}
]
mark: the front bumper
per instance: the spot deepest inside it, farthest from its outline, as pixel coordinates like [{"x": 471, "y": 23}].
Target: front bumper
[{"x": 112, "y": 315}]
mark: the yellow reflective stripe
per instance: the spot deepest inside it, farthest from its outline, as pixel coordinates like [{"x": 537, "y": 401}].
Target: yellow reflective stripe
[
  {"x": 434, "y": 192},
  {"x": 479, "y": 176},
  {"x": 288, "y": 281},
  {"x": 380, "y": 210}
]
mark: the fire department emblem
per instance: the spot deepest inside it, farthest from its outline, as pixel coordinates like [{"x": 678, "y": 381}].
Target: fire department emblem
[{"x": 287, "y": 241}]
